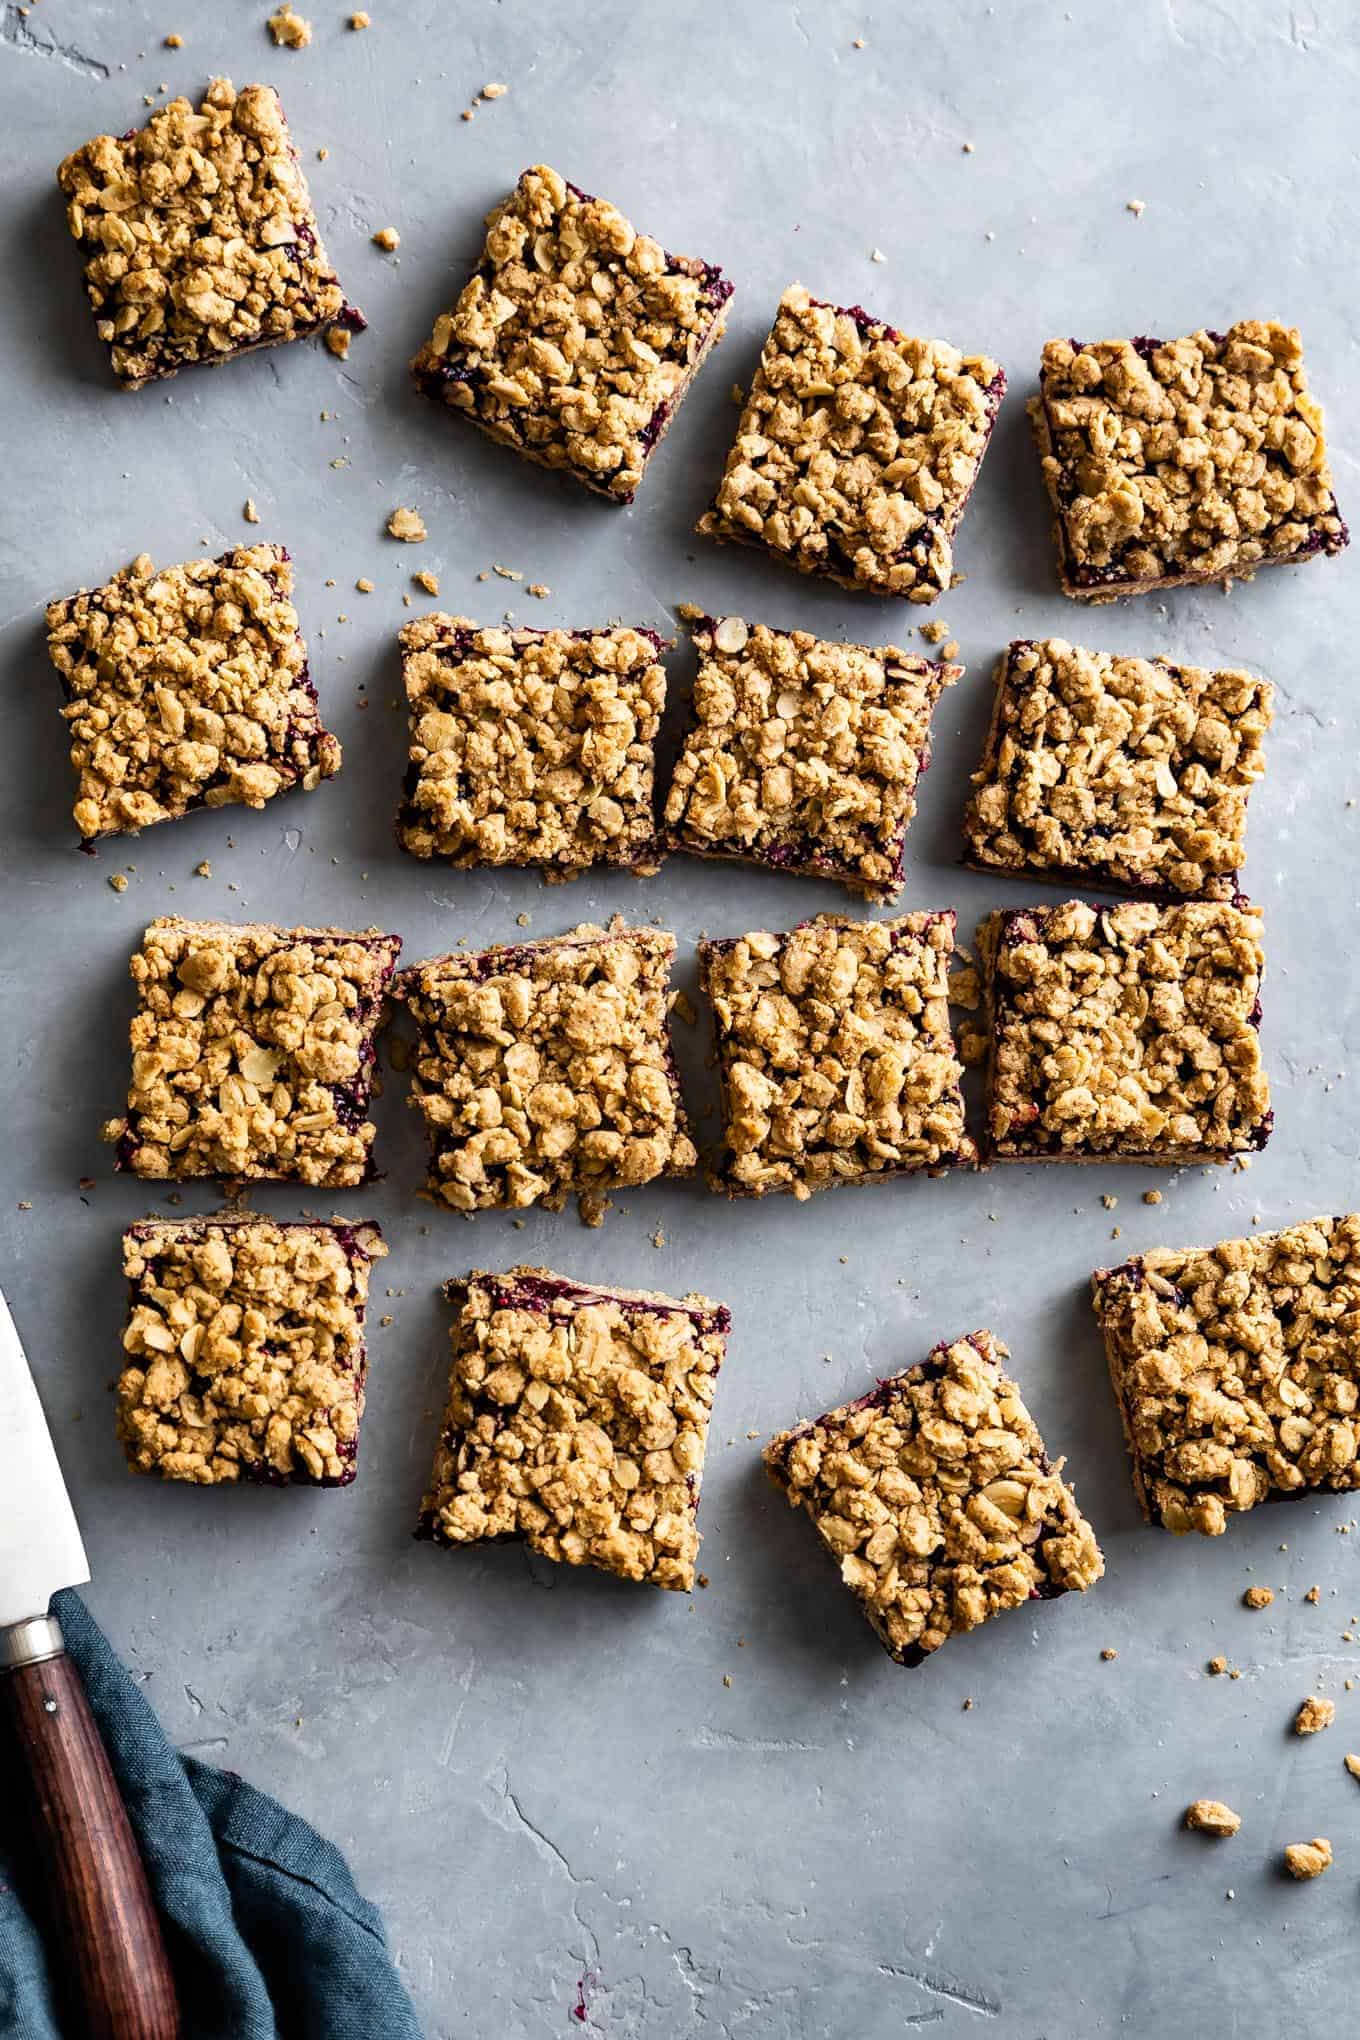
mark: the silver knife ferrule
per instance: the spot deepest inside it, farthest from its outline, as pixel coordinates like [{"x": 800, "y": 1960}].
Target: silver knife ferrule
[{"x": 31, "y": 1642}]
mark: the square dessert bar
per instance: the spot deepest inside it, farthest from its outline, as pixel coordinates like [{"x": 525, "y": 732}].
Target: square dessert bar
[
  {"x": 531, "y": 746},
  {"x": 253, "y": 1053},
  {"x": 245, "y": 1345},
  {"x": 187, "y": 688},
  {"x": 576, "y": 338},
  {"x": 1237, "y": 1370},
  {"x": 577, "y": 1420},
  {"x": 199, "y": 237},
  {"x": 936, "y": 1498},
  {"x": 1172, "y": 461},
  {"x": 834, "y": 1054},
  {"x": 1128, "y": 1033},
  {"x": 857, "y": 450},
  {"x": 543, "y": 1070},
  {"x": 1132, "y": 773},
  {"x": 804, "y": 755}
]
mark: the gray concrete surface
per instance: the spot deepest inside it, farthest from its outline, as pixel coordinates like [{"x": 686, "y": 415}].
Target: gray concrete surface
[{"x": 571, "y": 1821}]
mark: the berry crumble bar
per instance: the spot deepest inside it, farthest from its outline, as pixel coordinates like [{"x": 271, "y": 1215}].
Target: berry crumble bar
[
  {"x": 253, "y": 1052},
  {"x": 531, "y": 746},
  {"x": 1131, "y": 773},
  {"x": 857, "y": 450},
  {"x": 576, "y": 338},
  {"x": 935, "y": 1496},
  {"x": 1174, "y": 461},
  {"x": 1237, "y": 1370},
  {"x": 577, "y": 1420},
  {"x": 187, "y": 688},
  {"x": 1127, "y": 1033},
  {"x": 543, "y": 1070},
  {"x": 245, "y": 1344},
  {"x": 834, "y": 1054},
  {"x": 804, "y": 755},
  {"x": 199, "y": 237}
]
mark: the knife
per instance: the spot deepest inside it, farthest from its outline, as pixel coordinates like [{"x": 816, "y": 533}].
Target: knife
[{"x": 102, "y": 1907}]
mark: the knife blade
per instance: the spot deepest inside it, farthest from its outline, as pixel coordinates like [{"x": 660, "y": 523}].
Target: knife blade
[{"x": 40, "y": 1542}]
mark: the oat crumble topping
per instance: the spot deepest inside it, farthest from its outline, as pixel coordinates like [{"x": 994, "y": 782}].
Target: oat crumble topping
[
  {"x": 857, "y": 450},
  {"x": 1128, "y": 1032},
  {"x": 1132, "y": 773},
  {"x": 187, "y": 688},
  {"x": 199, "y": 236},
  {"x": 577, "y": 1420},
  {"x": 1237, "y": 1369},
  {"x": 1258, "y": 1597},
  {"x": 834, "y": 1053},
  {"x": 936, "y": 1496},
  {"x": 577, "y": 337},
  {"x": 253, "y": 1052},
  {"x": 1308, "y": 1859},
  {"x": 804, "y": 755},
  {"x": 1173, "y": 461},
  {"x": 245, "y": 1344},
  {"x": 544, "y": 1070},
  {"x": 531, "y": 746},
  {"x": 1212, "y": 1817}
]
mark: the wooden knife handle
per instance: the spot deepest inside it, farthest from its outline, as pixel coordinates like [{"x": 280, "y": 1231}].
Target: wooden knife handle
[{"x": 115, "y": 1958}]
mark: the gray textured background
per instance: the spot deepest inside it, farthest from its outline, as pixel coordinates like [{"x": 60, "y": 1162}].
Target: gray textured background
[{"x": 540, "y": 1774}]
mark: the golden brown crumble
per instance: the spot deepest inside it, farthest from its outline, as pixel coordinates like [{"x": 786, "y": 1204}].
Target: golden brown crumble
[
  {"x": 1130, "y": 772},
  {"x": 531, "y": 747},
  {"x": 1237, "y": 1369},
  {"x": 577, "y": 337},
  {"x": 857, "y": 450},
  {"x": 187, "y": 688},
  {"x": 1212, "y": 1817},
  {"x": 1127, "y": 1032},
  {"x": 1315, "y": 1713},
  {"x": 360, "y": 20},
  {"x": 1216, "y": 1667},
  {"x": 938, "y": 1500},
  {"x": 1351, "y": 1761},
  {"x": 199, "y": 236},
  {"x": 544, "y": 1070},
  {"x": 288, "y": 29},
  {"x": 253, "y": 1052},
  {"x": 577, "y": 1419},
  {"x": 804, "y": 755},
  {"x": 426, "y": 580},
  {"x": 337, "y": 342},
  {"x": 407, "y": 525},
  {"x": 245, "y": 1344},
  {"x": 388, "y": 239},
  {"x": 1308, "y": 1859},
  {"x": 1258, "y": 1597},
  {"x": 1182, "y": 460},
  {"x": 835, "y": 1055}
]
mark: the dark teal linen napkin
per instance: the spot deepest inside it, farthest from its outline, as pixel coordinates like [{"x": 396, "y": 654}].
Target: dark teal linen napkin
[{"x": 267, "y": 1935}]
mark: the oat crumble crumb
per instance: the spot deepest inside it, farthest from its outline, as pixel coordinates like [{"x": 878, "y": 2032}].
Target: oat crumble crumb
[
  {"x": 1308, "y": 1859},
  {"x": 203, "y": 869},
  {"x": 118, "y": 882},
  {"x": 1108, "y": 1200},
  {"x": 426, "y": 580},
  {"x": 1314, "y": 1595},
  {"x": 337, "y": 341},
  {"x": 360, "y": 20},
  {"x": 407, "y": 525},
  {"x": 364, "y": 585},
  {"x": 1258, "y": 1597},
  {"x": 1109, "y": 1655},
  {"x": 1216, "y": 1666},
  {"x": 494, "y": 91},
  {"x": 388, "y": 238},
  {"x": 289, "y": 30},
  {"x": 1351, "y": 1761},
  {"x": 1136, "y": 206},
  {"x": 1212, "y": 1817},
  {"x": 934, "y": 632},
  {"x": 1315, "y": 1714},
  {"x": 1152, "y": 1197},
  {"x": 539, "y": 589},
  {"x": 174, "y": 42},
  {"x": 249, "y": 512}
]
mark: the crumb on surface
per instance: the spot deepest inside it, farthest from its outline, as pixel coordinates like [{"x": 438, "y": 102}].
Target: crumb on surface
[
  {"x": 495, "y": 90},
  {"x": 1258, "y": 1597},
  {"x": 203, "y": 869},
  {"x": 1136, "y": 206},
  {"x": 1152, "y": 1197},
  {"x": 1308, "y": 1859},
  {"x": 426, "y": 580},
  {"x": 364, "y": 585},
  {"x": 388, "y": 238},
  {"x": 249, "y": 512},
  {"x": 1212, "y": 1817},
  {"x": 1315, "y": 1713},
  {"x": 1351, "y": 1761},
  {"x": 936, "y": 631},
  {"x": 1313, "y": 1596},
  {"x": 288, "y": 29},
  {"x": 360, "y": 20},
  {"x": 174, "y": 42},
  {"x": 1109, "y": 1655},
  {"x": 118, "y": 882},
  {"x": 407, "y": 525},
  {"x": 1216, "y": 1666},
  {"x": 337, "y": 341}
]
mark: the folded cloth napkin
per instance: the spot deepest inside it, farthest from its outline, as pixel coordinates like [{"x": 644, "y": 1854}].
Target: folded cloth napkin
[{"x": 266, "y": 1933}]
